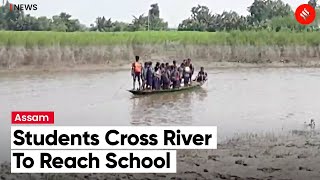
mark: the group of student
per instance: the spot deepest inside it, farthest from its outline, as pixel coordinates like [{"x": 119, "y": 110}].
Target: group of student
[{"x": 164, "y": 75}]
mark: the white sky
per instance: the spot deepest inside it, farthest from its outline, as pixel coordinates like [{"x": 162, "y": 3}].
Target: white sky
[{"x": 172, "y": 11}]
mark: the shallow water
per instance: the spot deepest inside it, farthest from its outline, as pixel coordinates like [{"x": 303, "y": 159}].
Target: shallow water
[{"x": 236, "y": 100}]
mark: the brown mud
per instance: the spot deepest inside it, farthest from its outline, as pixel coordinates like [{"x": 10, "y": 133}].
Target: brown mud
[
  {"x": 269, "y": 156},
  {"x": 116, "y": 57}
]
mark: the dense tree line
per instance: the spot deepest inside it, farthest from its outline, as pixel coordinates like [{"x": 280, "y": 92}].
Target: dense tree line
[
  {"x": 263, "y": 14},
  {"x": 18, "y": 21},
  {"x": 152, "y": 21}
]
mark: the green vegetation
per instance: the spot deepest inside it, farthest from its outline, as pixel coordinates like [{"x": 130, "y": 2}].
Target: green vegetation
[
  {"x": 271, "y": 15},
  {"x": 19, "y": 21},
  {"x": 271, "y": 22},
  {"x": 30, "y": 39},
  {"x": 264, "y": 15}
]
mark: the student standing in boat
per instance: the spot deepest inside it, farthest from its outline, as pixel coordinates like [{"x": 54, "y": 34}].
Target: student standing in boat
[
  {"x": 149, "y": 75},
  {"x": 174, "y": 64},
  {"x": 165, "y": 78},
  {"x": 184, "y": 62},
  {"x": 175, "y": 76},
  {"x": 189, "y": 64},
  {"x": 156, "y": 77},
  {"x": 181, "y": 69},
  {"x": 136, "y": 70},
  {"x": 170, "y": 75},
  {"x": 144, "y": 75},
  {"x": 186, "y": 75},
  {"x": 162, "y": 71}
]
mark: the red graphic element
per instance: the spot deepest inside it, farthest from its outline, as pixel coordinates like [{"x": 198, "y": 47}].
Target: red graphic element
[
  {"x": 305, "y": 14},
  {"x": 32, "y": 117},
  {"x": 11, "y": 7}
]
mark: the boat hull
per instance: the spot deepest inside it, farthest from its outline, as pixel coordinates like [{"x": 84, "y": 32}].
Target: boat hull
[{"x": 194, "y": 85}]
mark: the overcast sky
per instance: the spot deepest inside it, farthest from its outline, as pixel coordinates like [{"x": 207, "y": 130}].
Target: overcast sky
[{"x": 172, "y": 11}]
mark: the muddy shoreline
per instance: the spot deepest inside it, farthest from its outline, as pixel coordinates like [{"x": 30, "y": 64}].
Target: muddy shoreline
[
  {"x": 70, "y": 58},
  {"x": 249, "y": 156},
  {"x": 126, "y": 67}
]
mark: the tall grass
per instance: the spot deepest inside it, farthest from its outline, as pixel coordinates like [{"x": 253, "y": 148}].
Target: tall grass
[{"x": 31, "y": 39}]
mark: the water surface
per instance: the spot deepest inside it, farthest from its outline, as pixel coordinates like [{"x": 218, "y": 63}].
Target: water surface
[{"x": 235, "y": 100}]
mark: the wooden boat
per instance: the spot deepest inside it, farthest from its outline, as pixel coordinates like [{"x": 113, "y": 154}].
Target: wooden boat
[{"x": 194, "y": 85}]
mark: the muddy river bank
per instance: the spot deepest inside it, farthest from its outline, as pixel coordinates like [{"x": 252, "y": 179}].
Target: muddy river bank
[
  {"x": 247, "y": 156},
  {"x": 63, "y": 57}
]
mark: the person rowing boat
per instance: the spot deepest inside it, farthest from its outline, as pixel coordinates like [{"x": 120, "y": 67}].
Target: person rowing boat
[{"x": 202, "y": 76}]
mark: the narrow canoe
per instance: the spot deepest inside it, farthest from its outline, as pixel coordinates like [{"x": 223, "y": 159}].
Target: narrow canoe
[{"x": 148, "y": 92}]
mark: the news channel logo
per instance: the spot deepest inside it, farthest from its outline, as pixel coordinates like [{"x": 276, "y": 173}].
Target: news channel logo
[
  {"x": 18, "y": 7},
  {"x": 305, "y": 14}
]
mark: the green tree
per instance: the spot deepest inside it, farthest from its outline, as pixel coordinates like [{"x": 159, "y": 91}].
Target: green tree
[
  {"x": 188, "y": 25},
  {"x": 119, "y": 26},
  {"x": 63, "y": 23},
  {"x": 103, "y": 25},
  {"x": 13, "y": 19},
  {"x": 44, "y": 23},
  {"x": 155, "y": 22},
  {"x": 263, "y": 10},
  {"x": 28, "y": 23},
  {"x": 201, "y": 18},
  {"x": 3, "y": 20},
  {"x": 139, "y": 23},
  {"x": 313, "y": 3},
  {"x": 71, "y": 24},
  {"x": 287, "y": 23},
  {"x": 58, "y": 24}
]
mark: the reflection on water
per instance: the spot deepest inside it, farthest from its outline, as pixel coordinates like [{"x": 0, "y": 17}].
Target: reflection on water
[
  {"x": 234, "y": 100},
  {"x": 166, "y": 109}
]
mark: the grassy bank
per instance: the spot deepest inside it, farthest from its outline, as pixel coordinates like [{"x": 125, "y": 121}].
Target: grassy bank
[
  {"x": 59, "y": 50},
  {"x": 261, "y": 38}
]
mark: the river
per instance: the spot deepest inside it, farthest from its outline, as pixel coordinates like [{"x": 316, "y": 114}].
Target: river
[{"x": 241, "y": 100}]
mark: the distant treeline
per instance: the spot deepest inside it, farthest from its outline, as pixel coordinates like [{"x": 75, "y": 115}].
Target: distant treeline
[{"x": 264, "y": 15}]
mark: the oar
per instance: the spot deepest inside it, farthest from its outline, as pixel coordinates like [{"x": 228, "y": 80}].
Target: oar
[{"x": 122, "y": 85}]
